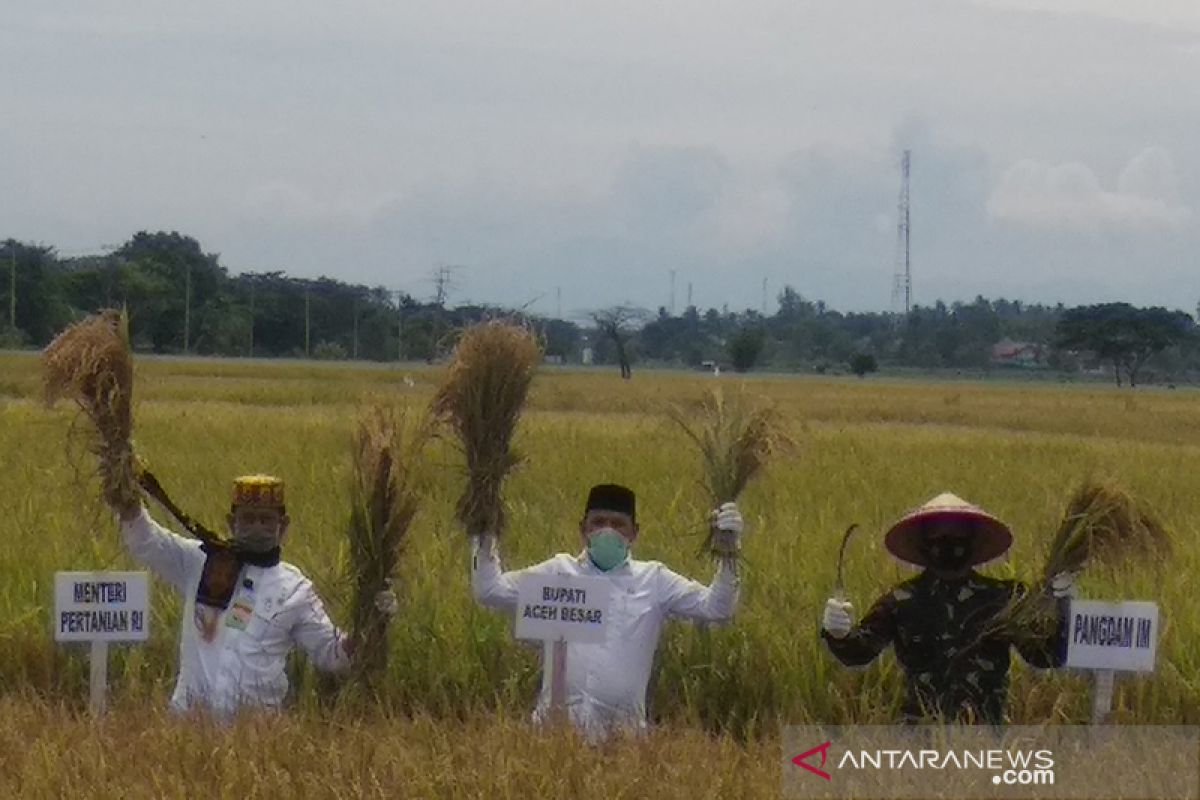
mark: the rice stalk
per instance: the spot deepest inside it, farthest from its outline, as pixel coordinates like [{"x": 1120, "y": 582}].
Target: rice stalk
[
  {"x": 385, "y": 500},
  {"x": 481, "y": 400},
  {"x": 1101, "y": 524},
  {"x": 90, "y": 363},
  {"x": 736, "y": 437}
]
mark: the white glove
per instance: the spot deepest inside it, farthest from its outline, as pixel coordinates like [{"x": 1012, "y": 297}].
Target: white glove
[
  {"x": 837, "y": 619},
  {"x": 1063, "y": 584},
  {"x": 727, "y": 525},
  {"x": 482, "y": 547},
  {"x": 387, "y": 603},
  {"x": 727, "y": 518}
]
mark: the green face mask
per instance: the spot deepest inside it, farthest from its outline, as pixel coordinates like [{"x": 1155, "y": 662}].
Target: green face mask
[{"x": 607, "y": 549}]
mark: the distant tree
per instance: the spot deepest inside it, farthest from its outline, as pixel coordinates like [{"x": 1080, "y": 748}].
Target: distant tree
[
  {"x": 562, "y": 338},
  {"x": 863, "y": 363},
  {"x": 793, "y": 306},
  {"x": 745, "y": 347},
  {"x": 617, "y": 324},
  {"x": 167, "y": 280},
  {"x": 39, "y": 312},
  {"x": 1122, "y": 335}
]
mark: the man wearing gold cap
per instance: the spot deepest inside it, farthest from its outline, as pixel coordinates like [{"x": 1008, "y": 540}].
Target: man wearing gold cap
[
  {"x": 606, "y": 682},
  {"x": 244, "y": 609},
  {"x": 948, "y": 625}
]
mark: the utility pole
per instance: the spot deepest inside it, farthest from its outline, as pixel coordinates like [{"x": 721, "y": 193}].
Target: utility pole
[
  {"x": 356, "y": 329},
  {"x": 443, "y": 283},
  {"x": 306, "y": 322},
  {"x": 672, "y": 307},
  {"x": 187, "y": 307},
  {"x": 399, "y": 327},
  {"x": 764, "y": 298},
  {"x": 12, "y": 286},
  {"x": 558, "y": 295},
  {"x": 690, "y": 303},
  {"x": 252, "y": 318}
]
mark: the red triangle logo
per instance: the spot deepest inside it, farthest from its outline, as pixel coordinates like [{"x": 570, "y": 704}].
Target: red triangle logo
[{"x": 801, "y": 760}]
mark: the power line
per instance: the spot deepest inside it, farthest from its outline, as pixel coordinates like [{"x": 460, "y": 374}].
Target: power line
[{"x": 444, "y": 282}]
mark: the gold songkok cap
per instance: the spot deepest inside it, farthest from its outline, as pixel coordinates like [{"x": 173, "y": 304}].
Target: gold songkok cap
[{"x": 259, "y": 491}]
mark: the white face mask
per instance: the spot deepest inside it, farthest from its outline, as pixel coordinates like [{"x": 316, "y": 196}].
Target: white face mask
[{"x": 256, "y": 538}]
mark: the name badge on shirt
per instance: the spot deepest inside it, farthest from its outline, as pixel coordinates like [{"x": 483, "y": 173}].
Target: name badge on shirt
[{"x": 238, "y": 615}]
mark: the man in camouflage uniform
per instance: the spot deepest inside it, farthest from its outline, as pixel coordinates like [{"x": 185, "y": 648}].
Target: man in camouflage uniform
[{"x": 946, "y": 624}]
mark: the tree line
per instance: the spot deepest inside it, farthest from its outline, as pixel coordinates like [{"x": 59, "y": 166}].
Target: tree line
[{"x": 182, "y": 300}]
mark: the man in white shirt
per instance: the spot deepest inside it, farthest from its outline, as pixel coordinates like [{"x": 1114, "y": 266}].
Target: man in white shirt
[
  {"x": 244, "y": 609},
  {"x": 606, "y": 682}
]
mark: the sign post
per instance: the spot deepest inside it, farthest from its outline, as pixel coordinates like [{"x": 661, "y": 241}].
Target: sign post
[
  {"x": 98, "y": 684},
  {"x": 558, "y": 677},
  {"x": 1108, "y": 638},
  {"x": 561, "y": 609},
  {"x": 99, "y": 608},
  {"x": 1102, "y": 694}
]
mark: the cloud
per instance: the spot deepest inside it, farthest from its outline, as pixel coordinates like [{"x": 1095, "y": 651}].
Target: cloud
[
  {"x": 752, "y": 214},
  {"x": 1070, "y": 196},
  {"x": 1175, "y": 14},
  {"x": 282, "y": 203},
  {"x": 664, "y": 190},
  {"x": 697, "y": 199}
]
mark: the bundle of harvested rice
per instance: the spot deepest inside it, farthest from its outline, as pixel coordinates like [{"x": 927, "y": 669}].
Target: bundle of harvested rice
[
  {"x": 90, "y": 363},
  {"x": 1103, "y": 523},
  {"x": 481, "y": 400},
  {"x": 736, "y": 437},
  {"x": 385, "y": 499}
]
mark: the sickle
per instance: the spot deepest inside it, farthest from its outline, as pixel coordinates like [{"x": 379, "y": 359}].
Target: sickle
[{"x": 839, "y": 588}]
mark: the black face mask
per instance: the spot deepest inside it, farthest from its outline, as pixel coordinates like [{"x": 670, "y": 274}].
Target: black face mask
[{"x": 949, "y": 554}]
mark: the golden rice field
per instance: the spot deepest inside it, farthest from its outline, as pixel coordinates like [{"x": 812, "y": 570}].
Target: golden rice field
[{"x": 449, "y": 719}]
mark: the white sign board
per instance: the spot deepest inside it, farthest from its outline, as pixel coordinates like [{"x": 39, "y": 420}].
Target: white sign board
[
  {"x": 101, "y": 607},
  {"x": 1112, "y": 636},
  {"x": 569, "y": 608}
]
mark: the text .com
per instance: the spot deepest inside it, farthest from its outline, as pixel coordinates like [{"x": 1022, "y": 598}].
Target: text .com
[{"x": 1024, "y": 777}]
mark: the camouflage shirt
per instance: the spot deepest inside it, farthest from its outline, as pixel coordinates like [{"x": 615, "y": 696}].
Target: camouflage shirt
[{"x": 947, "y": 636}]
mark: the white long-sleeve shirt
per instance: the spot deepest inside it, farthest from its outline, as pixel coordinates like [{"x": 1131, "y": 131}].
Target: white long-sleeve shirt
[
  {"x": 272, "y": 610},
  {"x": 606, "y": 682}
]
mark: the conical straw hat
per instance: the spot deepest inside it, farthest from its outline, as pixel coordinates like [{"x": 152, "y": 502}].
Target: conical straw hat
[{"x": 992, "y": 537}]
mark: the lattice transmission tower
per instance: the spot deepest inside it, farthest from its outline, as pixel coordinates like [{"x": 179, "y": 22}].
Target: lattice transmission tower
[{"x": 902, "y": 282}]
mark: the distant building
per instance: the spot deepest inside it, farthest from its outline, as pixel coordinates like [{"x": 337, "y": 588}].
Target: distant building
[
  {"x": 588, "y": 356},
  {"x": 1008, "y": 353}
]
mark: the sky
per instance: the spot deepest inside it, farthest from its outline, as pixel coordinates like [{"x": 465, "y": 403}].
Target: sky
[{"x": 573, "y": 155}]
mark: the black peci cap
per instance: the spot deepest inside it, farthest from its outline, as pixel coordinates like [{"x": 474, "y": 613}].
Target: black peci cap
[{"x": 611, "y": 497}]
